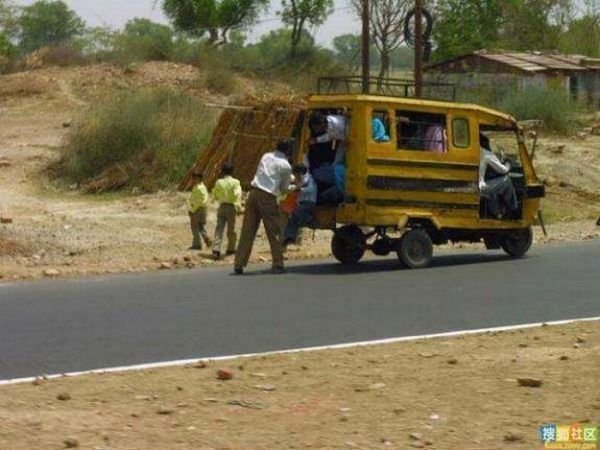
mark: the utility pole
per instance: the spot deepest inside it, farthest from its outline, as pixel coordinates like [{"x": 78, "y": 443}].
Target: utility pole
[
  {"x": 418, "y": 48},
  {"x": 366, "y": 57}
]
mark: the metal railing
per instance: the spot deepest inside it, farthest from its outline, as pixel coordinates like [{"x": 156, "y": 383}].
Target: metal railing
[{"x": 392, "y": 87}]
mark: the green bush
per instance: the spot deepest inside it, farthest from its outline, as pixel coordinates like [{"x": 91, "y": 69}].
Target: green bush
[
  {"x": 552, "y": 106},
  {"x": 221, "y": 81},
  {"x": 143, "y": 40},
  {"x": 152, "y": 136}
]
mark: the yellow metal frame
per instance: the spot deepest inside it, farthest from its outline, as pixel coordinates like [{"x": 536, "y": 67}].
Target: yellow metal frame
[{"x": 366, "y": 159}]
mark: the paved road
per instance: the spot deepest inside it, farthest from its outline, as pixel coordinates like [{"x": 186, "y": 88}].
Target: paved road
[{"x": 62, "y": 326}]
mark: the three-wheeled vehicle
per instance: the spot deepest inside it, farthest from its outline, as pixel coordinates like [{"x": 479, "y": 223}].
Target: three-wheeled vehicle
[{"x": 405, "y": 193}]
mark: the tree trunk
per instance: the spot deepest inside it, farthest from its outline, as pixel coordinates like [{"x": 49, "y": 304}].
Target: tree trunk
[
  {"x": 213, "y": 36},
  {"x": 384, "y": 68}
]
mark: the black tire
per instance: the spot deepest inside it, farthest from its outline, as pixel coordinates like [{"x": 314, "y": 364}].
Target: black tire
[
  {"x": 416, "y": 249},
  {"x": 348, "y": 244},
  {"x": 517, "y": 242}
]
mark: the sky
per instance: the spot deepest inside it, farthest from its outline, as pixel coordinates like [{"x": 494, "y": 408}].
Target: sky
[{"x": 115, "y": 13}]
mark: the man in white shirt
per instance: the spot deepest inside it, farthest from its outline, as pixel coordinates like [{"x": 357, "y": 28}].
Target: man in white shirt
[
  {"x": 272, "y": 179},
  {"x": 325, "y": 129},
  {"x": 494, "y": 183}
]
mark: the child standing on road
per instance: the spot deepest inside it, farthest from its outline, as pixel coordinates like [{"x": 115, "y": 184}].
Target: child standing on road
[
  {"x": 197, "y": 212},
  {"x": 228, "y": 192}
]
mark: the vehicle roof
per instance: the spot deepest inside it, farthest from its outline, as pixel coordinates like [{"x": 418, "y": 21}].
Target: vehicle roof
[{"x": 408, "y": 101}]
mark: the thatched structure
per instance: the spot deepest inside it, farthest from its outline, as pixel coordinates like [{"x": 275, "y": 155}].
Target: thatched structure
[{"x": 242, "y": 135}]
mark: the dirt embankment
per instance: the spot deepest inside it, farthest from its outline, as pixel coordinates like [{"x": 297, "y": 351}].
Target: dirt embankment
[{"x": 56, "y": 231}]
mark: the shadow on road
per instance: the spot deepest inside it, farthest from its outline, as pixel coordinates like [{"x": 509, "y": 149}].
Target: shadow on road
[{"x": 389, "y": 265}]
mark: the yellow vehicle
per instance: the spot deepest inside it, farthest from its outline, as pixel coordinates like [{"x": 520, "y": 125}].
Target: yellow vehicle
[{"x": 404, "y": 195}]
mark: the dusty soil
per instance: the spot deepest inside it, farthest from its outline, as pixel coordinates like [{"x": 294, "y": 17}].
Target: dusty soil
[
  {"x": 451, "y": 394},
  {"x": 56, "y": 231}
]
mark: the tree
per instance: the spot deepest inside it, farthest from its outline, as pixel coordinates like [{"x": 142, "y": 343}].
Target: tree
[
  {"x": 98, "y": 42},
  {"x": 300, "y": 13},
  {"x": 274, "y": 48},
  {"x": 48, "y": 22},
  {"x": 387, "y": 28},
  {"x": 534, "y": 24},
  {"x": 582, "y": 36},
  {"x": 464, "y": 26},
  {"x": 9, "y": 26},
  {"x": 213, "y": 17},
  {"x": 347, "y": 49},
  {"x": 6, "y": 48},
  {"x": 145, "y": 40}
]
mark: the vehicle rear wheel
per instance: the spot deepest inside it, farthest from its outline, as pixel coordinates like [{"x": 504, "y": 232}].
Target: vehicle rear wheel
[
  {"x": 348, "y": 244},
  {"x": 416, "y": 249},
  {"x": 517, "y": 242}
]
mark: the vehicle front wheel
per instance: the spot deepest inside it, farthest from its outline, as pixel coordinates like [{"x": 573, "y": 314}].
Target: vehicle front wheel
[
  {"x": 517, "y": 242},
  {"x": 348, "y": 244},
  {"x": 416, "y": 249}
]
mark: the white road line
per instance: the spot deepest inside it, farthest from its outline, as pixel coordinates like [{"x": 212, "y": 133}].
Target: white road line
[{"x": 185, "y": 362}]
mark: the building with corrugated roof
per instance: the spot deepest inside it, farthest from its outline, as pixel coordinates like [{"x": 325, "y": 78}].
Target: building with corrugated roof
[{"x": 578, "y": 75}]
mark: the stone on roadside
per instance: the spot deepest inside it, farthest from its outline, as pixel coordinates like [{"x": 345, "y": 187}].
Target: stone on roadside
[
  {"x": 580, "y": 340},
  {"x": 452, "y": 361},
  {"x": 224, "y": 374},
  {"x": 165, "y": 266},
  {"x": 51, "y": 273},
  {"x": 564, "y": 358},
  {"x": 557, "y": 149},
  {"x": 63, "y": 396},
  {"x": 416, "y": 436},
  {"x": 266, "y": 387},
  {"x": 6, "y": 220},
  {"x": 513, "y": 437},
  {"x": 71, "y": 443},
  {"x": 164, "y": 411},
  {"x": 529, "y": 382}
]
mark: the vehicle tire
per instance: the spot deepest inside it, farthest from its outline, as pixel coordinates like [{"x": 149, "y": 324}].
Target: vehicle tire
[
  {"x": 517, "y": 242},
  {"x": 416, "y": 249},
  {"x": 348, "y": 244}
]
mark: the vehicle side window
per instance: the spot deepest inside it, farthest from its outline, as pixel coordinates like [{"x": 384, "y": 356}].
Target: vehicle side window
[
  {"x": 419, "y": 131},
  {"x": 380, "y": 126},
  {"x": 461, "y": 137}
]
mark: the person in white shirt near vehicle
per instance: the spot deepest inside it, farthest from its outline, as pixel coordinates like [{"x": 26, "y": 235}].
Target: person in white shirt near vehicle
[
  {"x": 494, "y": 183},
  {"x": 272, "y": 179},
  {"x": 333, "y": 129}
]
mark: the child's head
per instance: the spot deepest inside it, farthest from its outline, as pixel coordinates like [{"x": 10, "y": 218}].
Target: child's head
[
  {"x": 227, "y": 169},
  {"x": 299, "y": 170}
]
